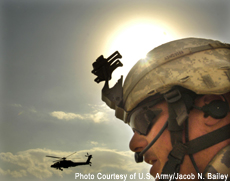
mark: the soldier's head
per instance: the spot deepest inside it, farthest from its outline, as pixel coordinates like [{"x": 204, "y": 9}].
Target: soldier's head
[
  {"x": 198, "y": 124},
  {"x": 176, "y": 100},
  {"x": 184, "y": 84}
]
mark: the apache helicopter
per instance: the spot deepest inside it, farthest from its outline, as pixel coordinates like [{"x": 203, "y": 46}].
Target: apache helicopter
[{"x": 68, "y": 163}]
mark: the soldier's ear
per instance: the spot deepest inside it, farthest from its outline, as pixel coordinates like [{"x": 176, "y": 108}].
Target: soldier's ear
[
  {"x": 215, "y": 107},
  {"x": 207, "y": 99}
]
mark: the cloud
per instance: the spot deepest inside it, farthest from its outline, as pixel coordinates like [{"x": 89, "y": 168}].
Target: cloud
[
  {"x": 30, "y": 162},
  {"x": 15, "y": 174},
  {"x": 98, "y": 114},
  {"x": 123, "y": 161},
  {"x": 65, "y": 116},
  {"x": 33, "y": 163},
  {"x": 97, "y": 117},
  {"x": 94, "y": 143},
  {"x": 23, "y": 109}
]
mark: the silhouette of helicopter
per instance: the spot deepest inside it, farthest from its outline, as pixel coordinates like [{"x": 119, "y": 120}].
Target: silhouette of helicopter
[{"x": 63, "y": 163}]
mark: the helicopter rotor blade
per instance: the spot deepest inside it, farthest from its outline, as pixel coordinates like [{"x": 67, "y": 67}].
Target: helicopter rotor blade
[
  {"x": 52, "y": 156},
  {"x": 70, "y": 154}
]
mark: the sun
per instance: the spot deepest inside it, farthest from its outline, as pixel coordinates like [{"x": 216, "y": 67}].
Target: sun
[{"x": 134, "y": 40}]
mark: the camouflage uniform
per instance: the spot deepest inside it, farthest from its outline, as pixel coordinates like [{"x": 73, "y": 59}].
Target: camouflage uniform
[{"x": 219, "y": 164}]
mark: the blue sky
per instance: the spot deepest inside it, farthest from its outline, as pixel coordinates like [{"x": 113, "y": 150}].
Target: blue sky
[{"x": 50, "y": 104}]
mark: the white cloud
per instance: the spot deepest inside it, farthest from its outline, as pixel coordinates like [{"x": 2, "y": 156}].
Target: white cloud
[
  {"x": 34, "y": 163},
  {"x": 15, "y": 174},
  {"x": 30, "y": 162},
  {"x": 99, "y": 117},
  {"x": 65, "y": 116},
  {"x": 98, "y": 114},
  {"x": 94, "y": 143},
  {"x": 96, "y": 117}
]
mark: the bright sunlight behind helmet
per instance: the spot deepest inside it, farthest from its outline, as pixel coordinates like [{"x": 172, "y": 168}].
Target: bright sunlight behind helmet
[{"x": 134, "y": 40}]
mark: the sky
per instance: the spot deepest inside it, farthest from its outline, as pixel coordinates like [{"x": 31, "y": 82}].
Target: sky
[{"x": 50, "y": 104}]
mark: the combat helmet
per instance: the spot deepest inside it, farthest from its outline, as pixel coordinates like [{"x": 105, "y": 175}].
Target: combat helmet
[{"x": 199, "y": 66}]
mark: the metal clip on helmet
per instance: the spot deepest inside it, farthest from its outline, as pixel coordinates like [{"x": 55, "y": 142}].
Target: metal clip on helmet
[{"x": 201, "y": 66}]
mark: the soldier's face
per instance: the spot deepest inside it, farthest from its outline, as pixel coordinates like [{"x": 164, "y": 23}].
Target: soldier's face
[{"x": 158, "y": 153}]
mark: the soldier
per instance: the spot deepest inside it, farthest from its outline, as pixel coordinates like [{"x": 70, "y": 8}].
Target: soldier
[{"x": 176, "y": 100}]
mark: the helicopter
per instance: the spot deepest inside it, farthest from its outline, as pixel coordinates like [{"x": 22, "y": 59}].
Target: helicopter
[{"x": 63, "y": 163}]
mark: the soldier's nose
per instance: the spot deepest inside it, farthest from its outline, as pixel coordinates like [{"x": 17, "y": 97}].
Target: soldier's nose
[{"x": 138, "y": 142}]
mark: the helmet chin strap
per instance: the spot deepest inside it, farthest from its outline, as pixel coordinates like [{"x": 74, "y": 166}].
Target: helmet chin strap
[
  {"x": 178, "y": 113},
  {"x": 178, "y": 108},
  {"x": 187, "y": 140}
]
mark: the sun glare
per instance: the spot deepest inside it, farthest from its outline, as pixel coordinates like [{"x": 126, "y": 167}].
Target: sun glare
[{"x": 134, "y": 41}]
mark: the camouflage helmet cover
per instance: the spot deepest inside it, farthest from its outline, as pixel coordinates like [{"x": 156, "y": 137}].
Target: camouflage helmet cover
[{"x": 200, "y": 65}]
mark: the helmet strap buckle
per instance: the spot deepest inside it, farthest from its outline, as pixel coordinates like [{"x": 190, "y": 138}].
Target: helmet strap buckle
[{"x": 175, "y": 159}]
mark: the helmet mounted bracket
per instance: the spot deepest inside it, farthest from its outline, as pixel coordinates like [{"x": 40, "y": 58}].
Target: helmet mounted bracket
[{"x": 103, "y": 69}]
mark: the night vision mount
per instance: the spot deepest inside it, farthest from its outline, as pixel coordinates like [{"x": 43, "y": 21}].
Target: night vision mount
[{"x": 103, "y": 69}]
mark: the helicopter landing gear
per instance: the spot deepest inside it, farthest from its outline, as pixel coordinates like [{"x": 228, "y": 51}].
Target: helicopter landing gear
[{"x": 59, "y": 169}]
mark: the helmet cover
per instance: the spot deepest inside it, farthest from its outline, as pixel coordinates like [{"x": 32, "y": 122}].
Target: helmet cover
[{"x": 200, "y": 65}]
